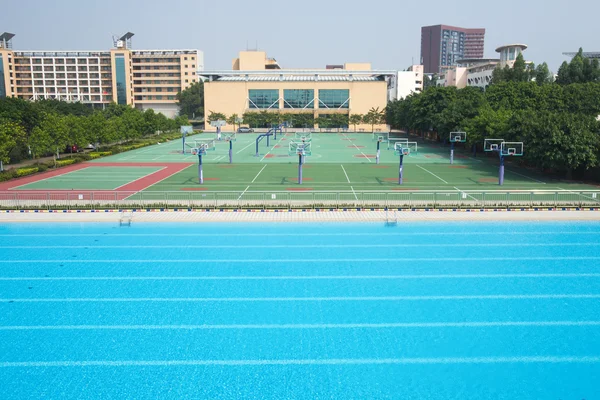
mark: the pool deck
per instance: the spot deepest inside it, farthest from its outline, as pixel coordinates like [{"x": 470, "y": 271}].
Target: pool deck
[{"x": 302, "y": 216}]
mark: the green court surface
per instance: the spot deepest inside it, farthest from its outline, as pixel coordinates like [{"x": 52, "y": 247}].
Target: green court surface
[
  {"x": 90, "y": 178},
  {"x": 339, "y": 162}
]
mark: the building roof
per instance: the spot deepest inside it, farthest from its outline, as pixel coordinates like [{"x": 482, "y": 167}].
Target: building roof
[
  {"x": 522, "y": 46},
  {"x": 586, "y": 54},
  {"x": 297, "y": 75}
]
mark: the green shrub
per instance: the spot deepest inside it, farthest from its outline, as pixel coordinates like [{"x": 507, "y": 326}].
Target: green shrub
[
  {"x": 27, "y": 171},
  {"x": 97, "y": 154},
  {"x": 8, "y": 175},
  {"x": 42, "y": 167},
  {"x": 62, "y": 163}
]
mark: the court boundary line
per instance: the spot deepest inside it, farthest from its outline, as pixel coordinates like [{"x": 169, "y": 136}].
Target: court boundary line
[
  {"x": 428, "y": 171},
  {"x": 357, "y": 148},
  {"x": 83, "y": 166},
  {"x": 272, "y": 148},
  {"x": 141, "y": 177}
]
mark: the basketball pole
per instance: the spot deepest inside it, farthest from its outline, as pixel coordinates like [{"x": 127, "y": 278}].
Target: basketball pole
[
  {"x": 183, "y": 145},
  {"x": 300, "y": 168},
  {"x": 451, "y": 152},
  {"x": 501, "y": 174},
  {"x": 401, "y": 167},
  {"x": 200, "y": 174},
  {"x": 378, "y": 152},
  {"x": 230, "y": 151}
]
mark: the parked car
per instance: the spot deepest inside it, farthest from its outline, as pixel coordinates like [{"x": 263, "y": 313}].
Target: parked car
[
  {"x": 71, "y": 148},
  {"x": 244, "y": 129}
]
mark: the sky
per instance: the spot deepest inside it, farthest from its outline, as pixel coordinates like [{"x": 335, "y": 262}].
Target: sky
[{"x": 306, "y": 34}]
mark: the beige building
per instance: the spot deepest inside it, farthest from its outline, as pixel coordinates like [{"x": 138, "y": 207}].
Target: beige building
[
  {"x": 141, "y": 78},
  {"x": 257, "y": 83}
]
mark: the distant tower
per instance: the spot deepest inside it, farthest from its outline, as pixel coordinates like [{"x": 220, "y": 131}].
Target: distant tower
[
  {"x": 5, "y": 40},
  {"x": 124, "y": 42}
]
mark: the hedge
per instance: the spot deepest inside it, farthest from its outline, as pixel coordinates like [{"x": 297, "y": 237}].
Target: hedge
[
  {"x": 27, "y": 171},
  {"x": 68, "y": 161}
]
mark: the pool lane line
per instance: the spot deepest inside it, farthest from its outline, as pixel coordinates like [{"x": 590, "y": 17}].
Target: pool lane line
[
  {"x": 389, "y": 325},
  {"x": 297, "y": 299},
  {"x": 323, "y": 361}
]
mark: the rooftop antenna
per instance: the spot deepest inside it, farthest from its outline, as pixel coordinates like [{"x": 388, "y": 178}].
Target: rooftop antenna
[
  {"x": 123, "y": 42},
  {"x": 5, "y": 40}
]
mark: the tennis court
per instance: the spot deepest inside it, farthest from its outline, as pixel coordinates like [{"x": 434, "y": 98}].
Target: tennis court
[{"x": 229, "y": 311}]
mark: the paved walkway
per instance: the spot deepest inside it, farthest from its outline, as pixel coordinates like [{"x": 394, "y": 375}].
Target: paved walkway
[{"x": 322, "y": 216}]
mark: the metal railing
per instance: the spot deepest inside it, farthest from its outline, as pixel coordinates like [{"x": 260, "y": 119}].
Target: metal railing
[{"x": 297, "y": 199}]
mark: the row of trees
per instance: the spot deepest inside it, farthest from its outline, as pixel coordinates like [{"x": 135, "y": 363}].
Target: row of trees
[
  {"x": 557, "y": 123},
  {"x": 36, "y": 129},
  {"x": 264, "y": 119}
]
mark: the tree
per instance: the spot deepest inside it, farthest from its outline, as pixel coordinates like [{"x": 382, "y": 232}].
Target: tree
[
  {"x": 216, "y": 116},
  {"x": 542, "y": 74},
  {"x": 10, "y": 134},
  {"x": 355, "y": 119},
  {"x": 191, "y": 101},
  {"x": 233, "y": 120},
  {"x": 373, "y": 117}
]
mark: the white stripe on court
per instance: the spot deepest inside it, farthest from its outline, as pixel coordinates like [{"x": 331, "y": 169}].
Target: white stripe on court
[
  {"x": 428, "y": 171},
  {"x": 239, "y": 151},
  {"x": 298, "y": 299},
  {"x": 302, "y": 277},
  {"x": 315, "y": 246},
  {"x": 265, "y": 166},
  {"x": 280, "y": 139},
  {"x": 326, "y": 361},
  {"x": 141, "y": 177},
  {"x": 303, "y": 261},
  {"x": 393, "y": 325},
  {"x": 357, "y": 148},
  {"x": 525, "y": 176},
  {"x": 52, "y": 177},
  {"x": 344, "y": 169},
  {"x": 388, "y": 233}
]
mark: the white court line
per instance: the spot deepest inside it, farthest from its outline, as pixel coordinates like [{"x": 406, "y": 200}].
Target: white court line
[
  {"x": 52, "y": 177},
  {"x": 298, "y": 299},
  {"x": 426, "y": 170},
  {"x": 466, "y": 194},
  {"x": 327, "y": 361},
  {"x": 433, "y": 233},
  {"x": 525, "y": 176},
  {"x": 344, "y": 169},
  {"x": 141, "y": 177},
  {"x": 579, "y": 194},
  {"x": 265, "y": 166},
  {"x": 280, "y": 139},
  {"x": 303, "y": 246},
  {"x": 238, "y": 152},
  {"x": 393, "y": 325},
  {"x": 156, "y": 183},
  {"x": 302, "y": 277},
  {"x": 357, "y": 148},
  {"x": 303, "y": 261},
  {"x": 247, "y": 187}
]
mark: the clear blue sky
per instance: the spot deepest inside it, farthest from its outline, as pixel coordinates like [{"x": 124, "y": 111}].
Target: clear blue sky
[{"x": 305, "y": 34}]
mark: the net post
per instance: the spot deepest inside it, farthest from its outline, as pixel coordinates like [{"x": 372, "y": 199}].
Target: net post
[
  {"x": 401, "y": 172},
  {"x": 200, "y": 172},
  {"x": 299, "y": 168},
  {"x": 501, "y": 172}
]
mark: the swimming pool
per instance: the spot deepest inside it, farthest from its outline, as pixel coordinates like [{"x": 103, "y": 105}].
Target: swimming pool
[{"x": 420, "y": 310}]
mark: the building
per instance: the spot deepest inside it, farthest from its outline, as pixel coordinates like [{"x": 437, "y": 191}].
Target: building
[
  {"x": 141, "y": 78},
  {"x": 478, "y": 72},
  {"x": 257, "y": 83},
  {"x": 404, "y": 83},
  {"x": 586, "y": 54},
  {"x": 443, "y": 45}
]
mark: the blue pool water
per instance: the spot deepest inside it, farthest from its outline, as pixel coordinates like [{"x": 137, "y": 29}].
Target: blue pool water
[{"x": 300, "y": 311}]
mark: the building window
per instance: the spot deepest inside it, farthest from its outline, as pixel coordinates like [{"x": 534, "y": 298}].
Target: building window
[
  {"x": 298, "y": 98},
  {"x": 121, "y": 82},
  {"x": 334, "y": 98},
  {"x": 263, "y": 98},
  {"x": 2, "y": 87}
]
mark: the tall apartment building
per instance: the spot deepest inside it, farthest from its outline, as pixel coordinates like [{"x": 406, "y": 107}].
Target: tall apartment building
[
  {"x": 405, "y": 83},
  {"x": 443, "y": 45},
  {"x": 141, "y": 78}
]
